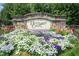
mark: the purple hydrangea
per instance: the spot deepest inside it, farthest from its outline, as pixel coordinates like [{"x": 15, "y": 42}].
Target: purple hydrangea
[
  {"x": 57, "y": 47},
  {"x": 57, "y": 36}
]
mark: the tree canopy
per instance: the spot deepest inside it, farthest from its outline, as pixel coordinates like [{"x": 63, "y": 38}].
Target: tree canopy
[{"x": 71, "y": 11}]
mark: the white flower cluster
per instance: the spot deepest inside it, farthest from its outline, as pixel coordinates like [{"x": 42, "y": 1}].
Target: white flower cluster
[{"x": 35, "y": 44}]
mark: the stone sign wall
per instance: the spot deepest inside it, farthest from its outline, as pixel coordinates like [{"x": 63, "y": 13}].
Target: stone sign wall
[
  {"x": 38, "y": 24},
  {"x": 21, "y": 25},
  {"x": 39, "y": 21}
]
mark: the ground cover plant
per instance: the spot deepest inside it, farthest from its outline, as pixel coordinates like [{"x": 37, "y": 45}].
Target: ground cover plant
[{"x": 35, "y": 43}]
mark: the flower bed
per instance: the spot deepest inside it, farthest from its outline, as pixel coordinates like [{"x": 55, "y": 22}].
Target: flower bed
[
  {"x": 36, "y": 43},
  {"x": 6, "y": 29}
]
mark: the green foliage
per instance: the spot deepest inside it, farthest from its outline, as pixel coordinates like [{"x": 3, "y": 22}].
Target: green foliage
[
  {"x": 3, "y": 53},
  {"x": 77, "y": 30},
  {"x": 63, "y": 33},
  {"x": 74, "y": 51},
  {"x": 53, "y": 30},
  {"x": 70, "y": 10},
  {"x": 1, "y": 32},
  {"x": 4, "y": 31}
]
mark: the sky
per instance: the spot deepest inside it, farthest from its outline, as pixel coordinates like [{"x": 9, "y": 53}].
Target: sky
[{"x": 1, "y": 7}]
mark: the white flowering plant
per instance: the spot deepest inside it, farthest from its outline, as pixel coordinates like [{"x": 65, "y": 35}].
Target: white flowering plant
[{"x": 49, "y": 44}]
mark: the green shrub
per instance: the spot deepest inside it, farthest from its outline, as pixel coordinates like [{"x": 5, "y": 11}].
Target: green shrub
[
  {"x": 53, "y": 30},
  {"x": 63, "y": 33},
  {"x": 77, "y": 30},
  {"x": 4, "y": 32},
  {"x": 2, "y": 53},
  {"x": 74, "y": 51}
]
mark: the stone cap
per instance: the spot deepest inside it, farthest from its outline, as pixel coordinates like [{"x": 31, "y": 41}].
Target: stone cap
[{"x": 38, "y": 15}]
